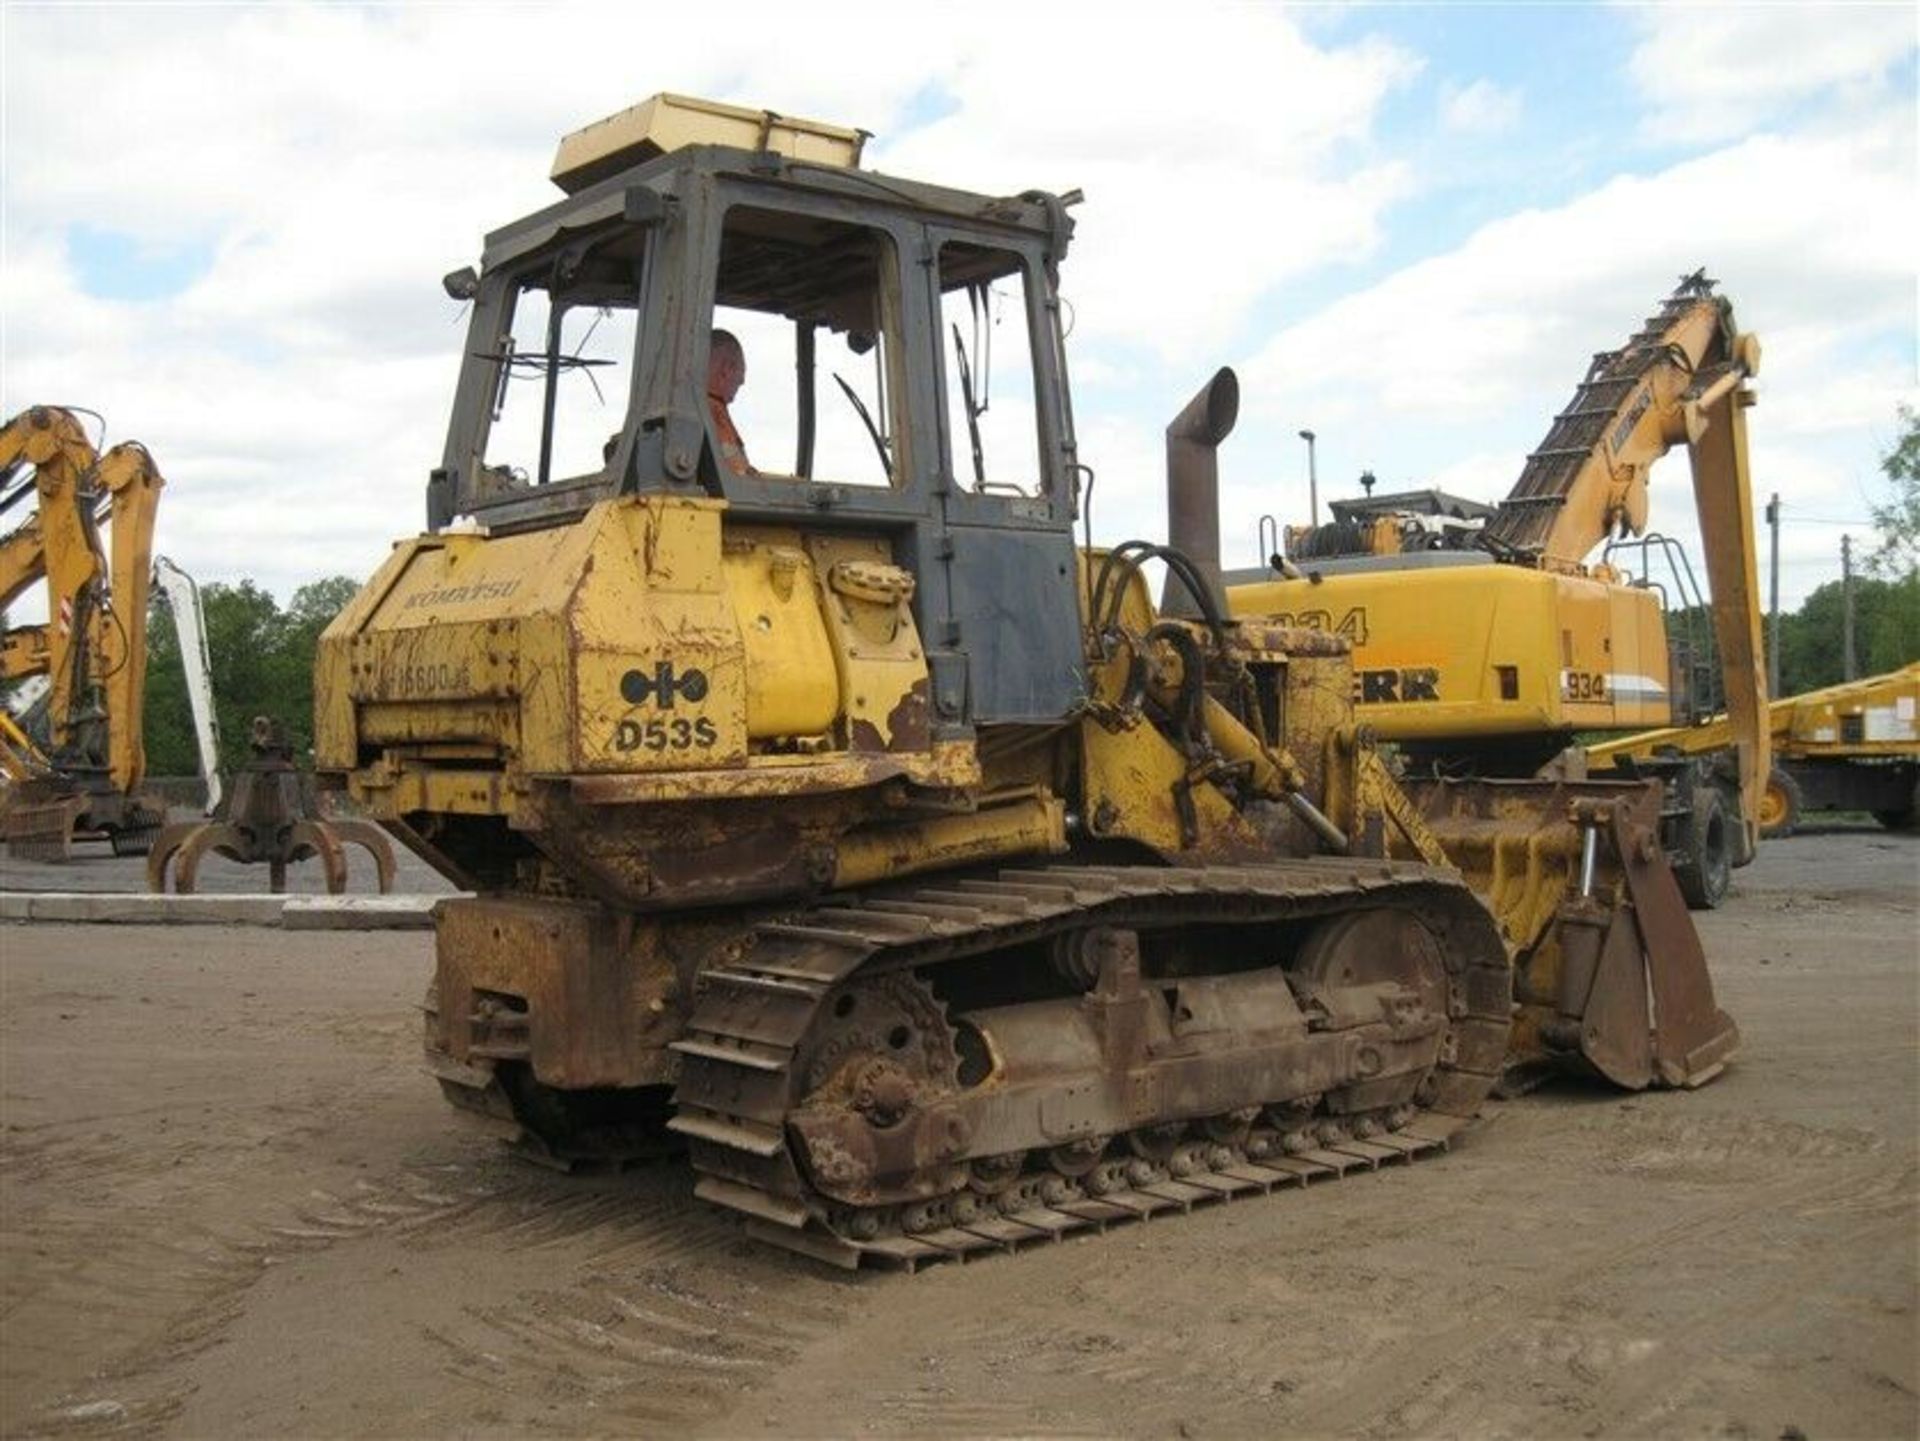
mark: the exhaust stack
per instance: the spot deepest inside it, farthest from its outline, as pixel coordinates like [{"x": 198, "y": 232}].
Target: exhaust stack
[{"x": 1193, "y": 484}]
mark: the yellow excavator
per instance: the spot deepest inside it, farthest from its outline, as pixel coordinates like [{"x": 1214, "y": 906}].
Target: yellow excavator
[
  {"x": 86, "y": 781},
  {"x": 848, "y": 824},
  {"x": 1488, "y": 640}
]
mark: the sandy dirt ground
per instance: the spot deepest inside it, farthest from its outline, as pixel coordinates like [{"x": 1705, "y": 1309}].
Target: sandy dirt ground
[{"x": 233, "y": 1206}]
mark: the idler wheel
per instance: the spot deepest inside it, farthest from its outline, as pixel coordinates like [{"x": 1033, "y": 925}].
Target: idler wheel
[
  {"x": 1232, "y": 1128},
  {"x": 1155, "y": 1143},
  {"x": 1075, "y": 1158},
  {"x": 990, "y": 1175}
]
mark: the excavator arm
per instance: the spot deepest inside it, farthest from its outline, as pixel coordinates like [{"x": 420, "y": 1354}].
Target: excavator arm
[
  {"x": 130, "y": 482},
  {"x": 59, "y": 543},
  {"x": 1723, "y": 494},
  {"x": 92, "y": 647},
  {"x": 1680, "y": 380},
  {"x": 1588, "y": 478}
]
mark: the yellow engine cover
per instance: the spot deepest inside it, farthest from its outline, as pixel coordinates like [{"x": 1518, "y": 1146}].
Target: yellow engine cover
[
  {"x": 646, "y": 637},
  {"x": 1483, "y": 650}
]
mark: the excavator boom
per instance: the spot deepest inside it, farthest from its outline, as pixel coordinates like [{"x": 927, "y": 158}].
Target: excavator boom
[
  {"x": 1587, "y": 479},
  {"x": 1679, "y": 380},
  {"x": 92, "y": 647},
  {"x": 182, "y": 595}
]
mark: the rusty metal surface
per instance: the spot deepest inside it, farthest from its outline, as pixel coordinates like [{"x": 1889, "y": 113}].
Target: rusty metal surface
[
  {"x": 269, "y": 818},
  {"x": 853, "y": 1150},
  {"x": 45, "y": 816},
  {"x": 1692, "y": 1037},
  {"x": 1614, "y": 982}
]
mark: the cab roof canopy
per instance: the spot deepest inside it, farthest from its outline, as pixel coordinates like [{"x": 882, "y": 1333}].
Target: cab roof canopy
[
  {"x": 666, "y": 122},
  {"x": 671, "y": 144}
]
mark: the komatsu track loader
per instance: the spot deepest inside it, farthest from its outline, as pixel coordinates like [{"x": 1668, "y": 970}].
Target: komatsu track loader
[{"x": 846, "y": 823}]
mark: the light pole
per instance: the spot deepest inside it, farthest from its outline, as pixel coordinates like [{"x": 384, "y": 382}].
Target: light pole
[
  {"x": 1313, "y": 482},
  {"x": 1850, "y": 670},
  {"x": 1773, "y": 599}
]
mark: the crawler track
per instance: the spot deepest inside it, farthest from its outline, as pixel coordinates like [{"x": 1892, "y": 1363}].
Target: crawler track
[{"x": 759, "y": 1018}]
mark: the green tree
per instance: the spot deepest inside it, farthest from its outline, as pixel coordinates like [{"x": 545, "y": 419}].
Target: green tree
[
  {"x": 310, "y": 611},
  {"x": 168, "y": 726},
  {"x": 262, "y": 665},
  {"x": 1898, "y": 520},
  {"x": 1886, "y": 632}
]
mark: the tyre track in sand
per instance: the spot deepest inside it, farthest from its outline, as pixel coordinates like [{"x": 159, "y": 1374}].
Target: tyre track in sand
[
  {"x": 583, "y": 1303},
  {"x": 1434, "y": 1383},
  {"x": 168, "y": 1286}
]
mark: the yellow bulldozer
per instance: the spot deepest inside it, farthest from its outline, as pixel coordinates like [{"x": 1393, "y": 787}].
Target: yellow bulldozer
[{"x": 849, "y": 824}]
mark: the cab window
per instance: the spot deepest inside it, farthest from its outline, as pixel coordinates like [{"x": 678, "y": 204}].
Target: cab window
[
  {"x": 993, "y": 433},
  {"x": 813, "y": 304},
  {"x": 563, "y": 371}
]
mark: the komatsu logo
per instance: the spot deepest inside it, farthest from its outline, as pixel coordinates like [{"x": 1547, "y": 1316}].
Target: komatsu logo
[
  {"x": 462, "y": 594},
  {"x": 637, "y": 687},
  {"x": 1388, "y": 687}
]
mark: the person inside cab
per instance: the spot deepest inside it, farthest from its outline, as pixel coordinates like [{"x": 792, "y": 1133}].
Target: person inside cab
[{"x": 726, "y": 373}]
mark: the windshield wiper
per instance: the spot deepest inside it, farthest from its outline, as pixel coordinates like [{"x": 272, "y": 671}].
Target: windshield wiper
[
  {"x": 873, "y": 431},
  {"x": 973, "y": 410}
]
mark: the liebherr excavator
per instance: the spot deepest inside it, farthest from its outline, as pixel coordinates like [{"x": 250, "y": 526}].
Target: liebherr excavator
[
  {"x": 850, "y": 825},
  {"x": 92, "y": 648},
  {"x": 1545, "y": 637}
]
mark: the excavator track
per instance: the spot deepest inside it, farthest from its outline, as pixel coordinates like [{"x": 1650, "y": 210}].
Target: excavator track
[{"x": 763, "y": 1043}]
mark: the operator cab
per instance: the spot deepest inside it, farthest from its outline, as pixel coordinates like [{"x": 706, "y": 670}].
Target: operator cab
[{"x": 905, "y": 372}]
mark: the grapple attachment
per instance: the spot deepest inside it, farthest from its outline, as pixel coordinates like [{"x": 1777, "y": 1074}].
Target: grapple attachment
[{"x": 1609, "y": 974}]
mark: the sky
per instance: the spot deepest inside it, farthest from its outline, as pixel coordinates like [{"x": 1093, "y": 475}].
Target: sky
[{"x": 1408, "y": 228}]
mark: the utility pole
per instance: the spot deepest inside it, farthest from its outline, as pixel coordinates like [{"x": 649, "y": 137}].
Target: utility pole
[
  {"x": 1773, "y": 599},
  {"x": 1313, "y": 482},
  {"x": 1852, "y": 670}
]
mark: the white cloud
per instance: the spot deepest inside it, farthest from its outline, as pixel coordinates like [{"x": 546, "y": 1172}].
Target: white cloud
[
  {"x": 1712, "y": 72},
  {"x": 1802, "y": 231},
  {"x": 1480, "y": 108},
  {"x": 1217, "y": 155},
  {"x": 1470, "y": 353},
  {"x": 336, "y": 161}
]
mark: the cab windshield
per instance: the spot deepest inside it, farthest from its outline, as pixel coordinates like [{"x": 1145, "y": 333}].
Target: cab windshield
[{"x": 563, "y": 369}]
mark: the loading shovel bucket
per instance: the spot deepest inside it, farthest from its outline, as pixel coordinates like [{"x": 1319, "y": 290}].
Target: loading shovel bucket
[{"x": 1610, "y": 977}]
